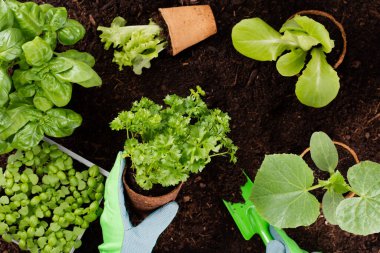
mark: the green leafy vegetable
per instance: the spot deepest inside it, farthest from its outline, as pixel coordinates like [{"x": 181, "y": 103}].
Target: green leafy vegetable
[
  {"x": 323, "y": 152},
  {"x": 166, "y": 144},
  {"x": 137, "y": 45},
  {"x": 35, "y": 79},
  {"x": 39, "y": 218},
  {"x": 283, "y": 182},
  {"x": 318, "y": 84},
  {"x": 271, "y": 195},
  {"x": 361, "y": 215}
]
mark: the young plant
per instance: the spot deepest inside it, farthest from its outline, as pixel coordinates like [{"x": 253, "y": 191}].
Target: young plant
[
  {"x": 281, "y": 191},
  {"x": 34, "y": 79},
  {"x": 166, "y": 144},
  {"x": 318, "y": 84},
  {"x": 47, "y": 203},
  {"x": 137, "y": 45}
]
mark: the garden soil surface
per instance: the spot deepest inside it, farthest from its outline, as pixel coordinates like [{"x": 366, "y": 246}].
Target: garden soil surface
[{"x": 266, "y": 115}]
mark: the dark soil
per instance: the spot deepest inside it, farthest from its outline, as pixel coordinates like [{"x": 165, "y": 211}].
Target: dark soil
[{"x": 266, "y": 115}]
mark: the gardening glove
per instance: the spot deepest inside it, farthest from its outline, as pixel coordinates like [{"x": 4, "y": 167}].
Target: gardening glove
[
  {"x": 278, "y": 244},
  {"x": 119, "y": 236}
]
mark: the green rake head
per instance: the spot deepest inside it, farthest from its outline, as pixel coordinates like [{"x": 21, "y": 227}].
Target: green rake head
[
  {"x": 250, "y": 222},
  {"x": 245, "y": 216}
]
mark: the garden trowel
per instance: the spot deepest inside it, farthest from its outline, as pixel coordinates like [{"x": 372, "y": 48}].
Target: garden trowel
[{"x": 250, "y": 222}]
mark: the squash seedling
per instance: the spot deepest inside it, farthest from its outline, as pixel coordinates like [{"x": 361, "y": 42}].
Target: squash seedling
[
  {"x": 136, "y": 46},
  {"x": 281, "y": 191},
  {"x": 318, "y": 84}
]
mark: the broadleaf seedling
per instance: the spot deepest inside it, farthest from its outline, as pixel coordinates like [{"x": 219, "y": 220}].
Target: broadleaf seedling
[
  {"x": 283, "y": 185},
  {"x": 318, "y": 84}
]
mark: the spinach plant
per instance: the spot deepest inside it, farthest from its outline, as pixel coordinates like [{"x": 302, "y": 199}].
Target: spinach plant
[
  {"x": 35, "y": 80},
  {"x": 318, "y": 84},
  {"x": 137, "y": 45},
  {"x": 47, "y": 203},
  {"x": 166, "y": 144},
  {"x": 281, "y": 191}
]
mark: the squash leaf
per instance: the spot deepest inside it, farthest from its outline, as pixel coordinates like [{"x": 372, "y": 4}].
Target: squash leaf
[
  {"x": 323, "y": 152},
  {"x": 361, "y": 215},
  {"x": 280, "y": 191}
]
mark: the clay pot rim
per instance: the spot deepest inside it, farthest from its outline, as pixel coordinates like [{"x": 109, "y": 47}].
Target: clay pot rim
[
  {"x": 346, "y": 147},
  {"x": 126, "y": 186},
  {"x": 336, "y": 23}
]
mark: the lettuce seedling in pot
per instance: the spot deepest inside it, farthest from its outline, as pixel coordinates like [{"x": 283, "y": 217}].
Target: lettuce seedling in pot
[{"x": 318, "y": 82}]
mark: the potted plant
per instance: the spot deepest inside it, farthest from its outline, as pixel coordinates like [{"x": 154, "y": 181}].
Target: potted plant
[
  {"x": 281, "y": 191},
  {"x": 137, "y": 45},
  {"x": 36, "y": 82},
  {"x": 318, "y": 84},
  {"x": 165, "y": 145}
]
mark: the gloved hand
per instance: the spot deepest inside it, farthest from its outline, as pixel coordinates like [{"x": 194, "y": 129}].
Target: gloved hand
[
  {"x": 278, "y": 244},
  {"x": 119, "y": 236}
]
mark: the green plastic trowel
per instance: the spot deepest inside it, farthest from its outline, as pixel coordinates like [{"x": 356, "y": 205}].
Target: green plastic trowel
[{"x": 250, "y": 222}]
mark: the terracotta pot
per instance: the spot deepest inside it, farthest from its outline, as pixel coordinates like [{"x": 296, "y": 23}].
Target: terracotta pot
[
  {"x": 146, "y": 203},
  {"x": 188, "y": 25}
]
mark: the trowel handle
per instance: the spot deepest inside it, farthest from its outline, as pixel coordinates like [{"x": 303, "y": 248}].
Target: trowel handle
[{"x": 260, "y": 226}]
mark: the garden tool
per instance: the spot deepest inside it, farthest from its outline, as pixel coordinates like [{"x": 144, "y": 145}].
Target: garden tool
[{"x": 250, "y": 222}]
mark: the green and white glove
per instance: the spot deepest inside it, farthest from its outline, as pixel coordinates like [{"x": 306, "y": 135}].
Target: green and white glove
[{"x": 119, "y": 236}]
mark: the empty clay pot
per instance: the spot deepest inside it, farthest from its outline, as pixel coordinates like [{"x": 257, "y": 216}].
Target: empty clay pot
[{"x": 188, "y": 25}]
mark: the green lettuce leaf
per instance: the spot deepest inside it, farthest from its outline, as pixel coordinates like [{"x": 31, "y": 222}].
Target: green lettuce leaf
[
  {"x": 257, "y": 40},
  {"x": 319, "y": 83},
  {"x": 137, "y": 45},
  {"x": 291, "y": 64}
]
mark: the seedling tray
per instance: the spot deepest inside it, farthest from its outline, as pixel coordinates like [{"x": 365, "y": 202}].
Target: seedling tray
[{"x": 80, "y": 160}]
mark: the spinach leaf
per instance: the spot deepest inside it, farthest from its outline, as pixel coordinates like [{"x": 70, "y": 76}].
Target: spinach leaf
[
  {"x": 71, "y": 33},
  {"x": 29, "y": 18},
  {"x": 61, "y": 122},
  {"x": 29, "y": 136},
  {"x": 11, "y": 40},
  {"x": 5, "y": 87},
  {"x": 55, "y": 18},
  {"x": 6, "y": 16},
  {"x": 55, "y": 90},
  {"x": 37, "y": 52},
  {"x": 79, "y": 56}
]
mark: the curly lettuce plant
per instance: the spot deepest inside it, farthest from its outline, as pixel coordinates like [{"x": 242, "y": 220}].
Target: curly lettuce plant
[
  {"x": 318, "y": 84},
  {"x": 166, "y": 144},
  {"x": 136, "y": 45},
  {"x": 281, "y": 191},
  {"x": 35, "y": 80}
]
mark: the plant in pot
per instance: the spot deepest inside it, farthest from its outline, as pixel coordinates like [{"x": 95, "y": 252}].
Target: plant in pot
[
  {"x": 166, "y": 144},
  {"x": 281, "y": 190},
  {"x": 137, "y": 45},
  {"x": 318, "y": 84}
]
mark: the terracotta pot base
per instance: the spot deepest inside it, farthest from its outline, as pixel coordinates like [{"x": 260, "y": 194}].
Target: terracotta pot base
[{"x": 146, "y": 203}]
